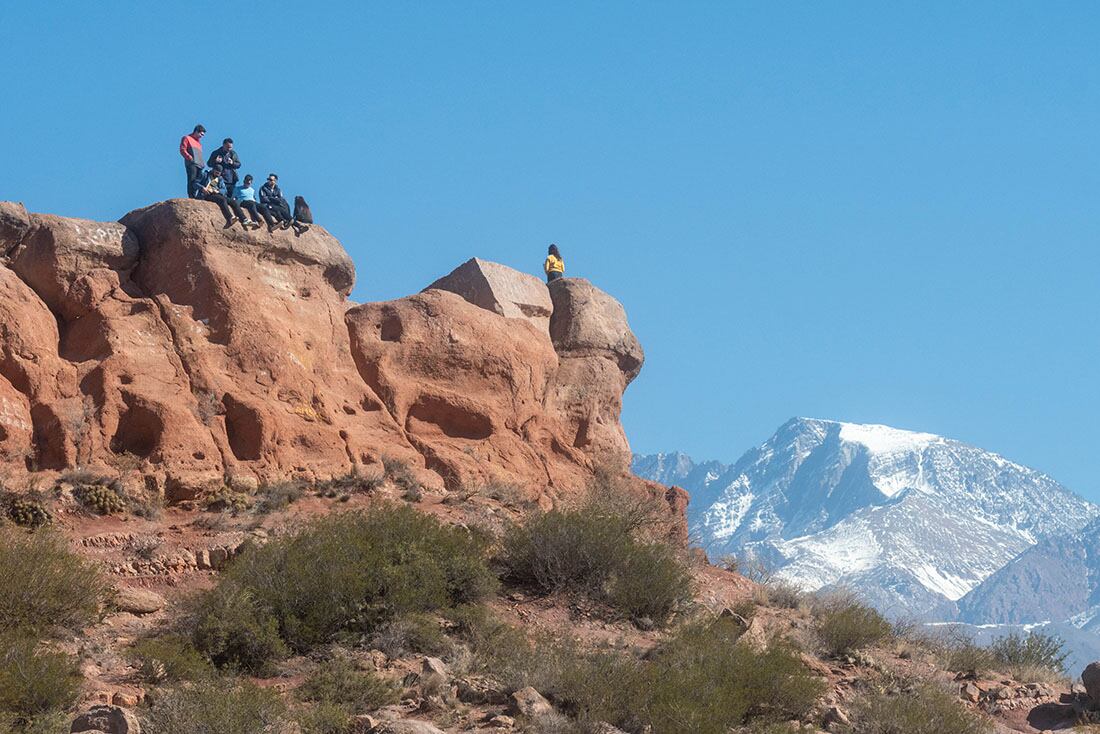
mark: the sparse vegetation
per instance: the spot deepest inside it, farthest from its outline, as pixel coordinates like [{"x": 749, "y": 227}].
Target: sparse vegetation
[
  {"x": 278, "y": 496},
  {"x": 35, "y": 683},
  {"x": 598, "y": 550},
  {"x": 926, "y": 709},
  {"x": 227, "y": 499},
  {"x": 169, "y": 658},
  {"x": 29, "y": 513},
  {"x": 102, "y": 499},
  {"x": 415, "y": 632},
  {"x": 845, "y": 625},
  {"x": 339, "y": 577},
  {"x": 218, "y": 705},
  {"x": 339, "y": 682},
  {"x": 399, "y": 473},
  {"x": 698, "y": 681},
  {"x": 1035, "y": 652},
  {"x": 45, "y": 585}
]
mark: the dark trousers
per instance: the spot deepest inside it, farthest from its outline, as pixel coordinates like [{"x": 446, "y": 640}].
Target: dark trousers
[
  {"x": 280, "y": 210},
  {"x": 257, "y": 211},
  {"x": 229, "y": 207},
  {"x": 194, "y": 170},
  {"x": 552, "y": 276}
]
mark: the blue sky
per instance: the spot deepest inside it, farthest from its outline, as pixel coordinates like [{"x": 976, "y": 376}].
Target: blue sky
[{"x": 877, "y": 212}]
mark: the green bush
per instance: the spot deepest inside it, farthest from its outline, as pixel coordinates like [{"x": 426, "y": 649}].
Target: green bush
[
  {"x": 34, "y": 683},
  {"x": 278, "y": 496},
  {"x": 926, "y": 709},
  {"x": 339, "y": 681},
  {"x": 216, "y": 705},
  {"x": 170, "y": 658},
  {"x": 845, "y": 625},
  {"x": 698, "y": 681},
  {"x": 234, "y": 630},
  {"x": 43, "y": 584},
  {"x": 597, "y": 550},
  {"x": 29, "y": 513},
  {"x": 325, "y": 718},
  {"x": 347, "y": 575},
  {"x": 417, "y": 632},
  {"x": 100, "y": 498},
  {"x": 1036, "y": 650}
]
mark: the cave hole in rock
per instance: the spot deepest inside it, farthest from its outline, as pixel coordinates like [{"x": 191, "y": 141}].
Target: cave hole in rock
[
  {"x": 453, "y": 420},
  {"x": 3, "y": 434},
  {"x": 244, "y": 429},
  {"x": 139, "y": 430},
  {"x": 48, "y": 438},
  {"x": 390, "y": 330}
]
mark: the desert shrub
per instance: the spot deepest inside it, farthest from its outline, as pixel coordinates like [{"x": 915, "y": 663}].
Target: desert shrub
[
  {"x": 102, "y": 499},
  {"x": 29, "y": 513},
  {"x": 417, "y": 632},
  {"x": 959, "y": 653},
  {"x": 338, "y": 681},
  {"x": 399, "y": 473},
  {"x": 325, "y": 718},
  {"x": 43, "y": 584},
  {"x": 227, "y": 499},
  {"x": 845, "y": 625},
  {"x": 347, "y": 484},
  {"x": 698, "y": 681},
  {"x": 34, "y": 683},
  {"x": 596, "y": 550},
  {"x": 783, "y": 594},
  {"x": 148, "y": 505},
  {"x": 1036, "y": 650},
  {"x": 234, "y": 630},
  {"x": 926, "y": 709},
  {"x": 278, "y": 496},
  {"x": 170, "y": 658},
  {"x": 215, "y": 705},
  {"x": 348, "y": 575}
]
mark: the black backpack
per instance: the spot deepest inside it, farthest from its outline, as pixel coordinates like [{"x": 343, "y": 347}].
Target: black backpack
[{"x": 301, "y": 211}]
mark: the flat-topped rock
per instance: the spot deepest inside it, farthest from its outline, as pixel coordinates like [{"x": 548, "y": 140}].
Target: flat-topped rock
[{"x": 500, "y": 289}]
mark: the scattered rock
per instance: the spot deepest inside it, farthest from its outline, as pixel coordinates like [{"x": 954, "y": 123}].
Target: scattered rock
[
  {"x": 1090, "y": 679},
  {"x": 971, "y": 692},
  {"x": 434, "y": 666},
  {"x": 108, "y": 719},
  {"x": 407, "y": 726},
  {"x": 835, "y": 718},
  {"x": 502, "y": 722},
  {"x": 138, "y": 601},
  {"x": 530, "y": 703},
  {"x": 603, "y": 727}
]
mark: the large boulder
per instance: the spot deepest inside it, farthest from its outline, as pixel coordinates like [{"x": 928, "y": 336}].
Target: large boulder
[
  {"x": 500, "y": 289},
  {"x": 1090, "y": 678},
  {"x": 107, "y": 719},
  {"x": 179, "y": 355}
]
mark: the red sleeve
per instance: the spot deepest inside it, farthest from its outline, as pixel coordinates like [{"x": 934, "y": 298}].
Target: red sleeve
[{"x": 185, "y": 149}]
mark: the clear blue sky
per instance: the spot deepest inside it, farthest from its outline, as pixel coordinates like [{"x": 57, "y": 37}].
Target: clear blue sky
[{"x": 880, "y": 212}]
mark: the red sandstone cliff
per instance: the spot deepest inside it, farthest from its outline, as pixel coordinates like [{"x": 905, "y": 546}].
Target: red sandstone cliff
[{"x": 170, "y": 351}]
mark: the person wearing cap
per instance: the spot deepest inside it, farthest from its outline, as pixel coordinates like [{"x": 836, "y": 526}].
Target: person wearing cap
[
  {"x": 227, "y": 158},
  {"x": 191, "y": 150},
  {"x": 554, "y": 265}
]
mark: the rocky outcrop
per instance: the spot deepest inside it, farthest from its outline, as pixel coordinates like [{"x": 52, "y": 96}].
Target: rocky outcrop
[{"x": 167, "y": 350}]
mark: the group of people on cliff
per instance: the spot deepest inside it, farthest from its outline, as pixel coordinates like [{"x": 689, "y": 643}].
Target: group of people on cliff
[{"x": 216, "y": 180}]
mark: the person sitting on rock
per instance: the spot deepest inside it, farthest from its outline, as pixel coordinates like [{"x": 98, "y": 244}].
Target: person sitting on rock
[
  {"x": 191, "y": 150},
  {"x": 271, "y": 196},
  {"x": 212, "y": 188},
  {"x": 303, "y": 217},
  {"x": 227, "y": 159},
  {"x": 554, "y": 265},
  {"x": 246, "y": 196}
]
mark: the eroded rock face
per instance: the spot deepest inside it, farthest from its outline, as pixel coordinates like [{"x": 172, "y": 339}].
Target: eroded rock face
[{"x": 167, "y": 349}]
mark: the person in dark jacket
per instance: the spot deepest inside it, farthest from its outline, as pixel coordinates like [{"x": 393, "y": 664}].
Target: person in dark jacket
[
  {"x": 212, "y": 188},
  {"x": 271, "y": 196},
  {"x": 246, "y": 197},
  {"x": 303, "y": 217},
  {"x": 191, "y": 150},
  {"x": 227, "y": 159}
]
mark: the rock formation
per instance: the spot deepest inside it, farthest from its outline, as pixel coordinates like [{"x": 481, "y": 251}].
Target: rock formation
[{"x": 167, "y": 350}]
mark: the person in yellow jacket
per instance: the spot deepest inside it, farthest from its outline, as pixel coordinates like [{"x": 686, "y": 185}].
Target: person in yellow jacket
[{"x": 554, "y": 265}]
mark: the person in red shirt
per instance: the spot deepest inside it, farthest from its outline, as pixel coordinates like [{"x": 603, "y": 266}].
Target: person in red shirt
[{"x": 191, "y": 150}]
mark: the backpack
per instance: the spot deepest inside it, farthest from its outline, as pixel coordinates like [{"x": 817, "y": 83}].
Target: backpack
[{"x": 301, "y": 211}]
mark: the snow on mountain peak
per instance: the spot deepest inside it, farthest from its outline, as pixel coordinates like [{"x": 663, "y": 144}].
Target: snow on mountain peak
[{"x": 884, "y": 439}]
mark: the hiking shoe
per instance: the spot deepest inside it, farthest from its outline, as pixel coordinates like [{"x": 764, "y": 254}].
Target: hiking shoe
[
  {"x": 286, "y": 225},
  {"x": 229, "y": 222}
]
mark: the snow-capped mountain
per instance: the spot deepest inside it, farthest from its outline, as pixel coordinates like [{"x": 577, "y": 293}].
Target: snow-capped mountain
[
  {"x": 911, "y": 520},
  {"x": 1056, "y": 580}
]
